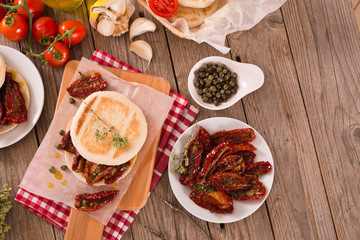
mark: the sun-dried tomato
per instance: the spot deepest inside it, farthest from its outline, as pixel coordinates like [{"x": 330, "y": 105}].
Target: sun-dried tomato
[
  {"x": 230, "y": 163},
  {"x": 234, "y": 137},
  {"x": 94, "y": 173},
  {"x": 14, "y": 103},
  {"x": 228, "y": 181},
  {"x": 204, "y": 137},
  {"x": 191, "y": 161},
  {"x": 207, "y": 196},
  {"x": 78, "y": 164},
  {"x": 91, "y": 202},
  {"x": 113, "y": 173},
  {"x": 251, "y": 188},
  {"x": 258, "y": 168},
  {"x": 67, "y": 144},
  {"x": 213, "y": 157},
  {"x": 86, "y": 85},
  {"x": 244, "y": 147}
]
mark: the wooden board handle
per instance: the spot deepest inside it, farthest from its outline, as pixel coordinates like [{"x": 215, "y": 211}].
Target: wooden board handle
[{"x": 86, "y": 228}]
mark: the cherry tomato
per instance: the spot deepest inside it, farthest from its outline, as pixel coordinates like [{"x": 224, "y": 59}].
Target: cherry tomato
[
  {"x": 61, "y": 48},
  {"x": 78, "y": 34},
  {"x": 163, "y": 8},
  {"x": 44, "y": 27},
  {"x": 36, "y": 7},
  {"x": 17, "y": 31}
]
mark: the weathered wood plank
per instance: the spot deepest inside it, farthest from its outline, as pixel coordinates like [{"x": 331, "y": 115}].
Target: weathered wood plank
[
  {"x": 326, "y": 54},
  {"x": 297, "y": 204}
]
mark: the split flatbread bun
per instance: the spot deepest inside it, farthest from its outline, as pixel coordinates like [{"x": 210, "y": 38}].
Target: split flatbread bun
[
  {"x": 101, "y": 117},
  {"x": 195, "y": 3},
  {"x": 2, "y": 70},
  {"x": 194, "y": 16},
  {"x": 24, "y": 89}
]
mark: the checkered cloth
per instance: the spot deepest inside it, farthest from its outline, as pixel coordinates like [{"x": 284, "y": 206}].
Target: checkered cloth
[{"x": 179, "y": 119}]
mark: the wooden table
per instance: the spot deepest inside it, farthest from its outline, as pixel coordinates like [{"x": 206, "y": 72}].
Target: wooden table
[{"x": 307, "y": 110}]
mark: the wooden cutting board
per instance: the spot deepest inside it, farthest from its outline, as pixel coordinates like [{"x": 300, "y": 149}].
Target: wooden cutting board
[{"x": 80, "y": 225}]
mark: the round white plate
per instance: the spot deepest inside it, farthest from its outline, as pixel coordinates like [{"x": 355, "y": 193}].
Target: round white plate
[
  {"x": 29, "y": 72},
  {"x": 242, "y": 209}
]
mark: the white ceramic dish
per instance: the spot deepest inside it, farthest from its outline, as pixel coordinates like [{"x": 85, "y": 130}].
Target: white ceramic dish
[
  {"x": 250, "y": 78},
  {"x": 29, "y": 72},
  {"x": 242, "y": 209}
]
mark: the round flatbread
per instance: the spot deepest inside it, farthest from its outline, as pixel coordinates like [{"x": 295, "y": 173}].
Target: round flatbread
[
  {"x": 2, "y": 70},
  {"x": 102, "y": 121},
  {"x": 195, "y": 3},
  {"x": 194, "y": 16},
  {"x": 24, "y": 89}
]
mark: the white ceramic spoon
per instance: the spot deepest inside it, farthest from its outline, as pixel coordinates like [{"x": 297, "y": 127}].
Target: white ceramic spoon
[{"x": 250, "y": 78}]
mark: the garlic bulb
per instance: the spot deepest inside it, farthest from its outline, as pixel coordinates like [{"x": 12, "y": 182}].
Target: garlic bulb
[
  {"x": 142, "y": 49},
  {"x": 111, "y": 17},
  {"x": 140, "y": 26}
]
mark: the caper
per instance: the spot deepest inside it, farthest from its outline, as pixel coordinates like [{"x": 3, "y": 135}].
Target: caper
[
  {"x": 221, "y": 74},
  {"x": 64, "y": 167},
  {"x": 233, "y": 74},
  {"x": 196, "y": 73},
  {"x": 236, "y": 86},
  {"x": 219, "y": 69},
  {"x": 211, "y": 77},
  {"x": 232, "y": 83},
  {"x": 234, "y": 91},
  {"x": 208, "y": 83},
  {"x": 215, "y": 75},
  {"x": 216, "y": 65},
  {"x": 223, "y": 96},
  {"x": 205, "y": 90},
  {"x": 226, "y": 86},
  {"x": 72, "y": 101},
  {"x": 218, "y": 95},
  {"x": 200, "y": 91},
  {"x": 223, "y": 66},
  {"x": 208, "y": 65},
  {"x": 202, "y": 69},
  {"x": 207, "y": 74},
  {"x": 216, "y": 102},
  {"x": 227, "y": 77},
  {"x": 228, "y": 91},
  {"x": 214, "y": 81},
  {"x": 225, "y": 70},
  {"x": 52, "y": 169},
  {"x": 222, "y": 91},
  {"x": 208, "y": 94},
  {"x": 202, "y": 82},
  {"x": 205, "y": 99},
  {"x": 213, "y": 88},
  {"x": 220, "y": 79},
  {"x": 62, "y": 133},
  {"x": 202, "y": 75},
  {"x": 218, "y": 86},
  {"x": 196, "y": 84}
]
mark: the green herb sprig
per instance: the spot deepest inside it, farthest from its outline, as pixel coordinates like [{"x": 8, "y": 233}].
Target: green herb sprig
[{"x": 5, "y": 206}]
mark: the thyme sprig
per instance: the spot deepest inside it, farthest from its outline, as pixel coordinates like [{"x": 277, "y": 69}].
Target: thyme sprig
[
  {"x": 117, "y": 140},
  {"x": 185, "y": 161}
]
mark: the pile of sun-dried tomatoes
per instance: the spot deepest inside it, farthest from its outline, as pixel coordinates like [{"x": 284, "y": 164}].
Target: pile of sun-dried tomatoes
[{"x": 220, "y": 168}]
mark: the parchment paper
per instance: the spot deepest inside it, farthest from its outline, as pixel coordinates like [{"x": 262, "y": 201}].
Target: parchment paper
[
  {"x": 155, "y": 106},
  {"x": 233, "y": 16}
]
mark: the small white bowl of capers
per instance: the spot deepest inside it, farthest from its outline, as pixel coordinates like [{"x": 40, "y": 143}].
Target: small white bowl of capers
[{"x": 217, "y": 83}]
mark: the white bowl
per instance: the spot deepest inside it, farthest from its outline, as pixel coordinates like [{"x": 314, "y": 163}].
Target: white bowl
[{"x": 249, "y": 77}]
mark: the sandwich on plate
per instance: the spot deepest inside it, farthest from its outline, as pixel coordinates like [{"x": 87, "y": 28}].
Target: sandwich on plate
[
  {"x": 103, "y": 138},
  {"x": 14, "y": 98}
]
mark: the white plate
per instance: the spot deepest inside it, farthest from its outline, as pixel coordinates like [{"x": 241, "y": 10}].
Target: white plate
[
  {"x": 29, "y": 72},
  {"x": 250, "y": 78},
  {"x": 242, "y": 209}
]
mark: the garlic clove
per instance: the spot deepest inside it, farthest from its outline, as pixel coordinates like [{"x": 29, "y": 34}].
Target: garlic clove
[
  {"x": 142, "y": 49},
  {"x": 105, "y": 27},
  {"x": 93, "y": 19},
  {"x": 119, "y": 7},
  {"x": 140, "y": 26}
]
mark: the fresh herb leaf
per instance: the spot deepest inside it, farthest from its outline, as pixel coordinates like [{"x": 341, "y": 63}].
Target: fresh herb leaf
[
  {"x": 176, "y": 157},
  {"x": 119, "y": 141},
  {"x": 5, "y": 206}
]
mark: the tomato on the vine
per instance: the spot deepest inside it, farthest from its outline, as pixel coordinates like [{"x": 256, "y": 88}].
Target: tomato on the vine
[
  {"x": 57, "y": 61},
  {"x": 2, "y": 10},
  {"x": 78, "y": 34},
  {"x": 16, "y": 30},
  {"x": 36, "y": 7},
  {"x": 44, "y": 30},
  {"x": 163, "y": 8}
]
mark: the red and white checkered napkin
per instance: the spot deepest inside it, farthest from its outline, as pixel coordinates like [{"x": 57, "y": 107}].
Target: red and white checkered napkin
[{"x": 180, "y": 118}]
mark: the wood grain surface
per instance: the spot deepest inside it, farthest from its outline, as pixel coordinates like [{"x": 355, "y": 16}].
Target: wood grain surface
[{"x": 307, "y": 111}]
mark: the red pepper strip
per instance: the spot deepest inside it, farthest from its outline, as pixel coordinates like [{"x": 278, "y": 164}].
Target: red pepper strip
[
  {"x": 230, "y": 163},
  {"x": 209, "y": 197},
  {"x": 2, "y": 114},
  {"x": 252, "y": 189},
  {"x": 115, "y": 172},
  {"x": 258, "y": 168},
  {"x": 94, "y": 173},
  {"x": 213, "y": 157},
  {"x": 78, "y": 164},
  {"x": 193, "y": 154},
  {"x": 234, "y": 137},
  {"x": 67, "y": 145},
  {"x": 91, "y": 202},
  {"x": 14, "y": 103},
  {"x": 87, "y": 85},
  {"x": 228, "y": 181},
  {"x": 204, "y": 137},
  {"x": 244, "y": 147}
]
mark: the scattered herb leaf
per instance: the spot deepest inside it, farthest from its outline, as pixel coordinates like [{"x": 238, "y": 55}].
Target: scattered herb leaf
[
  {"x": 72, "y": 101},
  {"x": 64, "y": 167},
  {"x": 52, "y": 169},
  {"x": 62, "y": 132}
]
